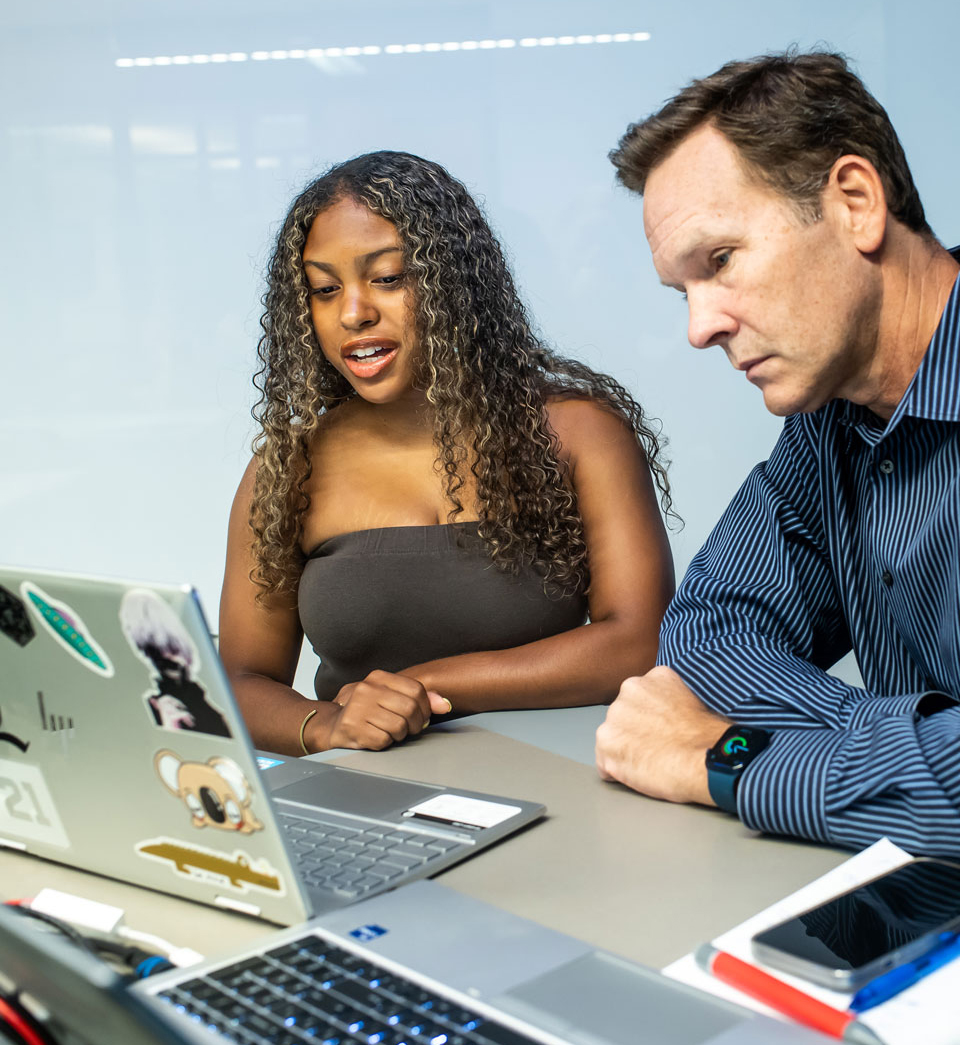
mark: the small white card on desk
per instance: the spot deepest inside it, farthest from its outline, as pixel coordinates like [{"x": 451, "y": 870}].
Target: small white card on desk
[
  {"x": 459, "y": 809},
  {"x": 926, "y": 1014}
]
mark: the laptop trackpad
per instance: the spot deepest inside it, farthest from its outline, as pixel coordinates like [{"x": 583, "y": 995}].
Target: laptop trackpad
[
  {"x": 350, "y": 791},
  {"x": 599, "y": 998}
]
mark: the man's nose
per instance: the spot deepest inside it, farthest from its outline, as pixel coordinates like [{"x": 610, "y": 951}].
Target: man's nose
[{"x": 709, "y": 324}]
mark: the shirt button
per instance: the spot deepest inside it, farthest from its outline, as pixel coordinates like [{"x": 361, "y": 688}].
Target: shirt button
[
  {"x": 886, "y": 466},
  {"x": 887, "y": 578}
]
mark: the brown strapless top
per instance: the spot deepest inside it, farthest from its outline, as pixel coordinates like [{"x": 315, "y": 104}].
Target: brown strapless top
[{"x": 401, "y": 595}]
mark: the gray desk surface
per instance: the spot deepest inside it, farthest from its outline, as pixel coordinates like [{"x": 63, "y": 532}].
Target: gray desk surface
[{"x": 645, "y": 879}]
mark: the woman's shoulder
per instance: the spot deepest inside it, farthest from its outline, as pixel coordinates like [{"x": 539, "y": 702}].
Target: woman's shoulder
[
  {"x": 332, "y": 427},
  {"x": 583, "y": 423}
]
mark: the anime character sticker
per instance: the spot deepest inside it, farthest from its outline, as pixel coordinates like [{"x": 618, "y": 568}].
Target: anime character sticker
[
  {"x": 157, "y": 636},
  {"x": 215, "y": 792}
]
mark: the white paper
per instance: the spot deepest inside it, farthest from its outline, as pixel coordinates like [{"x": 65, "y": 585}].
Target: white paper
[
  {"x": 458, "y": 809},
  {"x": 926, "y": 1014}
]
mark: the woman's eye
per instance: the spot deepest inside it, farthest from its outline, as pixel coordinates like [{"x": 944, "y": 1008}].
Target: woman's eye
[
  {"x": 390, "y": 280},
  {"x": 322, "y": 292}
]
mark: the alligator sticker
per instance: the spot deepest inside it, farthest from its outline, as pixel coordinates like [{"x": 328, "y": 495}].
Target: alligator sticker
[
  {"x": 160, "y": 640},
  {"x": 67, "y": 628},
  {"x": 9, "y": 738},
  {"x": 215, "y": 792},
  {"x": 237, "y": 871},
  {"x": 14, "y": 620},
  {"x": 26, "y": 806}
]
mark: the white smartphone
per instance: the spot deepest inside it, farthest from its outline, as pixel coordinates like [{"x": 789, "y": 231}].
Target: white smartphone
[{"x": 860, "y": 934}]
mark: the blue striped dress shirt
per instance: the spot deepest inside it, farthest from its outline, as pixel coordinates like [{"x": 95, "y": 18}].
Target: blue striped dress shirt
[{"x": 847, "y": 537}]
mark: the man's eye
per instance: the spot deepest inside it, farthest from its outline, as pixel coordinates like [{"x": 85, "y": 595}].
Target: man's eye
[{"x": 719, "y": 260}]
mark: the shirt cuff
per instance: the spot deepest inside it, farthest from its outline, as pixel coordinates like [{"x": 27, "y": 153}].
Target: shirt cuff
[
  {"x": 920, "y": 704},
  {"x": 783, "y": 790}
]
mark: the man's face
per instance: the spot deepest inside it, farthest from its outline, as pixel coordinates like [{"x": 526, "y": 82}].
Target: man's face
[{"x": 795, "y": 306}]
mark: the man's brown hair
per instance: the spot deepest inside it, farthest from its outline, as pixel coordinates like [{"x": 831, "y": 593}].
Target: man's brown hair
[{"x": 791, "y": 116}]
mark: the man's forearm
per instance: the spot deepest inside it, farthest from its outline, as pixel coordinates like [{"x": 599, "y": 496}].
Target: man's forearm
[{"x": 897, "y": 776}]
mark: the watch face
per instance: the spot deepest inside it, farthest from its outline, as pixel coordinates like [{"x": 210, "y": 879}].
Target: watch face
[{"x": 738, "y": 746}]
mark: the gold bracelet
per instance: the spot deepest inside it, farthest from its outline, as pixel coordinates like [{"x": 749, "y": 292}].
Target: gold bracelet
[{"x": 303, "y": 726}]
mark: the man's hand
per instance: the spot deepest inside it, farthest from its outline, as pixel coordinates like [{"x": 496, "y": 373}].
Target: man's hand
[
  {"x": 378, "y": 711},
  {"x": 655, "y": 738}
]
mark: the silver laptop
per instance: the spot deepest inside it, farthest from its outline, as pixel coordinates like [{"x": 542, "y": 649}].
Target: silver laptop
[
  {"x": 122, "y": 751},
  {"x": 423, "y": 965}
]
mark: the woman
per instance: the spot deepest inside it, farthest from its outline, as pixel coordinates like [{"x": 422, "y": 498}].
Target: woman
[{"x": 445, "y": 496}]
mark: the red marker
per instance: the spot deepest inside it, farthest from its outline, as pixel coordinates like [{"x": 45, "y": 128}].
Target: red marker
[{"x": 785, "y": 999}]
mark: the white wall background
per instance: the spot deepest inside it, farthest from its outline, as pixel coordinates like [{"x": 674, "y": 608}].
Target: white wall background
[{"x": 139, "y": 204}]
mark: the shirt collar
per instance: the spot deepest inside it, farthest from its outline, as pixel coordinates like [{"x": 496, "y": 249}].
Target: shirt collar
[{"x": 934, "y": 390}]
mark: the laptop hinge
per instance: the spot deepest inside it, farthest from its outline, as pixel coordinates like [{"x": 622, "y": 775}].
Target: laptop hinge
[
  {"x": 237, "y": 905},
  {"x": 9, "y": 843}
]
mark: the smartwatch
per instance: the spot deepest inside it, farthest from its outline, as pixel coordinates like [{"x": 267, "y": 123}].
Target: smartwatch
[{"x": 727, "y": 760}]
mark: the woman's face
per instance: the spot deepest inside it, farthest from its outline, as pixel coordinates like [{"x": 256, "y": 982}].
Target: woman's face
[{"x": 359, "y": 301}]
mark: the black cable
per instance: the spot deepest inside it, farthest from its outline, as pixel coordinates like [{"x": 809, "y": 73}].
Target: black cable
[
  {"x": 129, "y": 955},
  {"x": 64, "y": 927}
]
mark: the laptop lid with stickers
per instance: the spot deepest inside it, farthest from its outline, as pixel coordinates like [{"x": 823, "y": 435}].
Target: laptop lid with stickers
[{"x": 122, "y": 751}]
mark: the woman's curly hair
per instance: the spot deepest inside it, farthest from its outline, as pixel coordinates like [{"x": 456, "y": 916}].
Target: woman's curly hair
[{"x": 485, "y": 373}]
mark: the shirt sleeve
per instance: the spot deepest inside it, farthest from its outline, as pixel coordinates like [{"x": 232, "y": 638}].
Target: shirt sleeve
[{"x": 753, "y": 629}]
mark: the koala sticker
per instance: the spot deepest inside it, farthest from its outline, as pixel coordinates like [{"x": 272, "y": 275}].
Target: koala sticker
[{"x": 215, "y": 792}]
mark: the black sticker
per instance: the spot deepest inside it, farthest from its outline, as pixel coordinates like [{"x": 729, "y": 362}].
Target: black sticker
[
  {"x": 14, "y": 620},
  {"x": 9, "y": 738}
]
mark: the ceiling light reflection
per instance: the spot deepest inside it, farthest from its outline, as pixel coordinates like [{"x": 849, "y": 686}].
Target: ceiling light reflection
[{"x": 433, "y": 47}]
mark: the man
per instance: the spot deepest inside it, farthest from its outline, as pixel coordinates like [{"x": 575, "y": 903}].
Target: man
[{"x": 777, "y": 198}]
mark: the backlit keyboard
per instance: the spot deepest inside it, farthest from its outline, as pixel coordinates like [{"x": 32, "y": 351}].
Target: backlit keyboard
[{"x": 313, "y": 991}]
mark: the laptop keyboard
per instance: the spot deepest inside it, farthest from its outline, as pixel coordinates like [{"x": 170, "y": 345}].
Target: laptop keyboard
[
  {"x": 354, "y": 859},
  {"x": 313, "y": 991}
]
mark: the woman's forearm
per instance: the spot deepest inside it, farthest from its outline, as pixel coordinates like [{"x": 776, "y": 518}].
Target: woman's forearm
[
  {"x": 274, "y": 714},
  {"x": 585, "y": 665}
]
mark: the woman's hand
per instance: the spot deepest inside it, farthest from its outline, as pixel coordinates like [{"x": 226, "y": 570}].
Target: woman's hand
[{"x": 376, "y": 712}]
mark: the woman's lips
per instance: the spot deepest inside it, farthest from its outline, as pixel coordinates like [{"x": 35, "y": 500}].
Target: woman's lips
[{"x": 367, "y": 357}]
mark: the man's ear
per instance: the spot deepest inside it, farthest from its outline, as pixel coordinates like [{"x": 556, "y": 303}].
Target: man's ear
[{"x": 854, "y": 187}]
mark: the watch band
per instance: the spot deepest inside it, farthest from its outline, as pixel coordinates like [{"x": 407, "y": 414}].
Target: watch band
[
  {"x": 723, "y": 789},
  {"x": 727, "y": 760}
]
